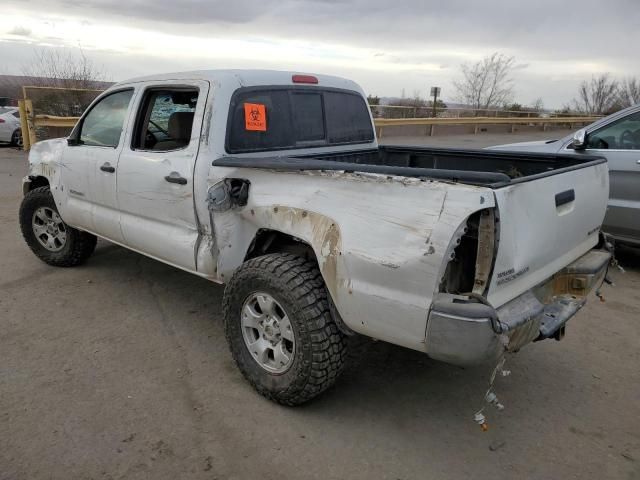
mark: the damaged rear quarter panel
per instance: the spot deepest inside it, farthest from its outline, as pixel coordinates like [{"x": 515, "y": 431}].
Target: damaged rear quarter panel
[{"x": 380, "y": 241}]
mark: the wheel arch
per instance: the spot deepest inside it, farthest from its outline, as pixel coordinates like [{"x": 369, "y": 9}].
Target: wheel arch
[
  {"x": 267, "y": 241},
  {"x": 34, "y": 181}
]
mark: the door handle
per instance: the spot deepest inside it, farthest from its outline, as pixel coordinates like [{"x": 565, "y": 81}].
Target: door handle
[
  {"x": 106, "y": 167},
  {"x": 567, "y": 196},
  {"x": 638, "y": 162},
  {"x": 174, "y": 177}
]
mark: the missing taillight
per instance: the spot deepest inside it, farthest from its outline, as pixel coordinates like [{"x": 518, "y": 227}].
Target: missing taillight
[{"x": 470, "y": 265}]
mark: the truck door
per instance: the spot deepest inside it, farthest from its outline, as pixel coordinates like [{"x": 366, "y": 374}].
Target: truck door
[
  {"x": 89, "y": 166},
  {"x": 155, "y": 172}
]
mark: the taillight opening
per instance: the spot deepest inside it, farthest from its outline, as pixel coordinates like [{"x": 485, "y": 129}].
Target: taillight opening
[{"x": 469, "y": 268}]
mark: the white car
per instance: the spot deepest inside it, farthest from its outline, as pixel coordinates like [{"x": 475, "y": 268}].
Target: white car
[
  {"x": 10, "y": 126},
  {"x": 274, "y": 184}
]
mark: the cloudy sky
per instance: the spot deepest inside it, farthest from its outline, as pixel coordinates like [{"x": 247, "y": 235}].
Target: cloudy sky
[{"x": 385, "y": 45}]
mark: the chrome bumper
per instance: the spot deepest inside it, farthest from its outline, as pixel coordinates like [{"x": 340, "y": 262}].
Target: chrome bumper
[{"x": 462, "y": 331}]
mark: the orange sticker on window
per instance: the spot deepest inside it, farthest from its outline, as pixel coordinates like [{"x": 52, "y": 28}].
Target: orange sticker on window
[{"x": 255, "y": 117}]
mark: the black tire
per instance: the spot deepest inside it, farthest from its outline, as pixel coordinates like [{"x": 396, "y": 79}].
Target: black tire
[
  {"x": 297, "y": 285},
  {"x": 78, "y": 245},
  {"x": 16, "y": 138}
]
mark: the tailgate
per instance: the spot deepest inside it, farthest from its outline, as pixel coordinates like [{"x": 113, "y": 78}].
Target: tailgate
[{"x": 545, "y": 224}]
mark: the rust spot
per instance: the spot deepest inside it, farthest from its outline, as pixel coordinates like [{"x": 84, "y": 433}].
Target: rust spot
[{"x": 318, "y": 230}]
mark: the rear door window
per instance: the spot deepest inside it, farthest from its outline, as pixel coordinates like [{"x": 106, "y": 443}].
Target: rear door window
[{"x": 296, "y": 117}]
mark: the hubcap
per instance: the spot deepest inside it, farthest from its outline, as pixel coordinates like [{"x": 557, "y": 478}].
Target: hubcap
[
  {"x": 49, "y": 229},
  {"x": 267, "y": 332}
]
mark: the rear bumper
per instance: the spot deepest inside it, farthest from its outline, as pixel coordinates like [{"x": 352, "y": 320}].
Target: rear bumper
[{"x": 462, "y": 331}]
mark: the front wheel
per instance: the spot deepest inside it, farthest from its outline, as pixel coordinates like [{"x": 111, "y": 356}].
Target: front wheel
[
  {"x": 46, "y": 234},
  {"x": 280, "y": 330}
]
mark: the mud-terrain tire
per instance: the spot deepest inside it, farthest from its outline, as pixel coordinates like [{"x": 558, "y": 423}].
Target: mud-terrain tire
[
  {"x": 38, "y": 212},
  {"x": 298, "y": 298}
]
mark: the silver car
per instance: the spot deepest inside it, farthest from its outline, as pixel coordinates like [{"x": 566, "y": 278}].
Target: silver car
[
  {"x": 10, "y": 126},
  {"x": 617, "y": 138}
]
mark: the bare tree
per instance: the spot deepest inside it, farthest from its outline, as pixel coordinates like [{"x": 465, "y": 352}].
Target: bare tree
[
  {"x": 487, "y": 83},
  {"x": 599, "y": 96},
  {"x": 63, "y": 68},
  {"x": 538, "y": 105},
  {"x": 629, "y": 92}
]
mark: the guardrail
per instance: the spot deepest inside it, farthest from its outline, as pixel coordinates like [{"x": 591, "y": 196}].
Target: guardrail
[
  {"x": 425, "y": 111},
  {"x": 30, "y": 121},
  {"x": 380, "y": 123}
]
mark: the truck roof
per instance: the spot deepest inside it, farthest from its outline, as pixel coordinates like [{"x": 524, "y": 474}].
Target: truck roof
[{"x": 248, "y": 78}]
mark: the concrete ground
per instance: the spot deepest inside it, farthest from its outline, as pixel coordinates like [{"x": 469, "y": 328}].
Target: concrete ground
[{"x": 119, "y": 370}]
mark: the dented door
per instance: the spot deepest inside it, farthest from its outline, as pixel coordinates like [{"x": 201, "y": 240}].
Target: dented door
[{"x": 155, "y": 179}]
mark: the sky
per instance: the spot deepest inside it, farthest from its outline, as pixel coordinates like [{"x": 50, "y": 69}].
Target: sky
[{"x": 386, "y": 46}]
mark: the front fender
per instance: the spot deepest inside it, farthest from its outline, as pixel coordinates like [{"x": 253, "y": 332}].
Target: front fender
[{"x": 45, "y": 160}]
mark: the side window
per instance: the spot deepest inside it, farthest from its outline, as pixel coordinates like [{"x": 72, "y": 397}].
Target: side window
[
  {"x": 165, "y": 119},
  {"x": 16, "y": 114},
  {"x": 102, "y": 126},
  {"x": 623, "y": 134}
]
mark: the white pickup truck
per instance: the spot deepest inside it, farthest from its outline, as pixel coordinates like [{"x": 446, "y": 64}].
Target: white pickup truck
[{"x": 273, "y": 183}]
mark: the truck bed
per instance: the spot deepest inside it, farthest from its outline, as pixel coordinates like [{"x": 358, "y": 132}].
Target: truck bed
[{"x": 488, "y": 168}]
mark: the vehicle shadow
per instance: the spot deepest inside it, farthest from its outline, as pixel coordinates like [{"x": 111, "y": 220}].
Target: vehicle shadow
[
  {"x": 381, "y": 382},
  {"x": 628, "y": 257}
]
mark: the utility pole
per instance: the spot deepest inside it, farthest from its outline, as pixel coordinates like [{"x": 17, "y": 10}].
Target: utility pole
[{"x": 435, "y": 91}]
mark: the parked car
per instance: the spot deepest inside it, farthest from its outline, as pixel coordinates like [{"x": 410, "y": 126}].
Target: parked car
[
  {"x": 617, "y": 138},
  {"x": 10, "y": 126},
  {"x": 273, "y": 183}
]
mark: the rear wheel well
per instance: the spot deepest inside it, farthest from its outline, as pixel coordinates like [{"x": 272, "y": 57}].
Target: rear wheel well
[{"x": 272, "y": 241}]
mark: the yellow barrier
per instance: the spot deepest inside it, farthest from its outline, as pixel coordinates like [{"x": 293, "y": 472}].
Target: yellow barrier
[
  {"x": 476, "y": 121},
  {"x": 29, "y": 121}
]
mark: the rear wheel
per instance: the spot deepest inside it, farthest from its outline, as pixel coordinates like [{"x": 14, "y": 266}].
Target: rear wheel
[
  {"x": 280, "y": 330},
  {"x": 52, "y": 240},
  {"x": 16, "y": 138}
]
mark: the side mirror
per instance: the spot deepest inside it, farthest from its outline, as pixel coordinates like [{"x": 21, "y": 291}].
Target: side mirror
[
  {"x": 71, "y": 141},
  {"x": 579, "y": 141}
]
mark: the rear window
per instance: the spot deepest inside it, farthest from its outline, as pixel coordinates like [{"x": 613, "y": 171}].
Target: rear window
[{"x": 285, "y": 118}]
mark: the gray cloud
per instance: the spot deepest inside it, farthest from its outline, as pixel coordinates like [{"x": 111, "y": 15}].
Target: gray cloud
[
  {"x": 545, "y": 32},
  {"x": 20, "y": 31}
]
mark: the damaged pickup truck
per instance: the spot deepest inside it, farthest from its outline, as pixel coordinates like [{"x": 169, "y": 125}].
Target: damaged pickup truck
[{"x": 274, "y": 184}]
